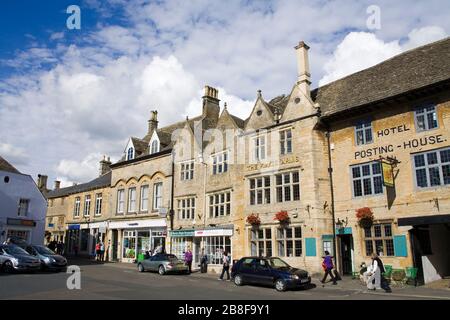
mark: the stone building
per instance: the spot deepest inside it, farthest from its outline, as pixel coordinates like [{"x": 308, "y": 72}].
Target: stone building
[{"x": 78, "y": 215}]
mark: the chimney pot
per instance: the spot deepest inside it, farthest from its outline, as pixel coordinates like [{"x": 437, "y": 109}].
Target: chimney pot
[
  {"x": 153, "y": 121},
  {"x": 104, "y": 166},
  {"x": 211, "y": 102},
  {"x": 57, "y": 184},
  {"x": 42, "y": 182}
]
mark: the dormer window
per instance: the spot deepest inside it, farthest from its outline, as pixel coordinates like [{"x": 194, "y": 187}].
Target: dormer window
[
  {"x": 130, "y": 153},
  {"x": 154, "y": 146}
]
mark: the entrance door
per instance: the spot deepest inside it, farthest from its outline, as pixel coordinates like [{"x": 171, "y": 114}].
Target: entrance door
[
  {"x": 420, "y": 246},
  {"x": 115, "y": 236},
  {"x": 197, "y": 251},
  {"x": 346, "y": 245}
]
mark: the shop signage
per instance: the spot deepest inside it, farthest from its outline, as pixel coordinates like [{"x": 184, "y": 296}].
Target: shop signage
[
  {"x": 74, "y": 227},
  {"x": 102, "y": 230},
  {"x": 20, "y": 222},
  {"x": 51, "y": 225},
  {"x": 388, "y": 176},
  {"x": 213, "y": 232},
  {"x": 282, "y": 161},
  {"x": 181, "y": 233}
]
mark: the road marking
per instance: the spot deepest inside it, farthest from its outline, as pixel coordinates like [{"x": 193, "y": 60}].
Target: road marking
[{"x": 407, "y": 295}]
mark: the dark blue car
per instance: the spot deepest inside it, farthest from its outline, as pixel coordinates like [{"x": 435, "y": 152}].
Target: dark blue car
[{"x": 269, "y": 271}]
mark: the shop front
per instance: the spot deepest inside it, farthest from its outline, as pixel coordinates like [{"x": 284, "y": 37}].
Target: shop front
[
  {"x": 214, "y": 241},
  {"x": 19, "y": 229},
  {"x": 132, "y": 239}
]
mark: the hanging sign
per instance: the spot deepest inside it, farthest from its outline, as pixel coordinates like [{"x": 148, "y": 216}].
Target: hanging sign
[{"x": 388, "y": 175}]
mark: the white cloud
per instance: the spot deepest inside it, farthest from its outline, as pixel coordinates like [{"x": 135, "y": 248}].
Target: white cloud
[
  {"x": 15, "y": 155},
  {"x": 69, "y": 171},
  {"x": 361, "y": 50}
]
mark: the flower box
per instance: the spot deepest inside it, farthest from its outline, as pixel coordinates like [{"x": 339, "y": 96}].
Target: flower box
[
  {"x": 282, "y": 217},
  {"x": 253, "y": 220}
]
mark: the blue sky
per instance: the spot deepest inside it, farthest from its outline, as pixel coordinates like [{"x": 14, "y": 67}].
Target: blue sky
[{"x": 82, "y": 93}]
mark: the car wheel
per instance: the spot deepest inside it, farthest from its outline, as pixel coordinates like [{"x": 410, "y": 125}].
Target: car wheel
[
  {"x": 161, "y": 270},
  {"x": 8, "y": 267},
  {"x": 280, "y": 285},
  {"x": 238, "y": 280},
  {"x": 141, "y": 267}
]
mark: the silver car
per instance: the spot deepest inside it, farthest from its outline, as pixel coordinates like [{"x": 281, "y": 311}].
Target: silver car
[
  {"x": 14, "y": 258},
  {"x": 49, "y": 259},
  {"x": 163, "y": 263}
]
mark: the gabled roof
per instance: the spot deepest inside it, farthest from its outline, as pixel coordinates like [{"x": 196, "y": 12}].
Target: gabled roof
[
  {"x": 6, "y": 166},
  {"x": 409, "y": 71},
  {"x": 139, "y": 145},
  {"x": 100, "y": 182}
]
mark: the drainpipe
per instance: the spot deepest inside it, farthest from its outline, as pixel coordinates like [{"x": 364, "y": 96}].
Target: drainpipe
[
  {"x": 330, "y": 174},
  {"x": 172, "y": 211}
]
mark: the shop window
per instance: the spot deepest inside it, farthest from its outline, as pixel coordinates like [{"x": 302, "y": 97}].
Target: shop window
[
  {"x": 379, "y": 239},
  {"x": 288, "y": 186},
  {"x": 260, "y": 190},
  {"x": 186, "y": 209},
  {"x": 219, "y": 204},
  {"x": 363, "y": 133},
  {"x": 215, "y": 246},
  {"x": 129, "y": 244},
  {"x": 187, "y": 170},
  {"x": 367, "y": 179},
  {"x": 426, "y": 118},
  {"x": 179, "y": 247},
  {"x": 261, "y": 242},
  {"x": 432, "y": 168},
  {"x": 289, "y": 242},
  {"x": 286, "y": 141}
]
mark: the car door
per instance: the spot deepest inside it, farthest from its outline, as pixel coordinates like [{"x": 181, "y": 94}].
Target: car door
[
  {"x": 246, "y": 270},
  {"x": 263, "y": 274}
]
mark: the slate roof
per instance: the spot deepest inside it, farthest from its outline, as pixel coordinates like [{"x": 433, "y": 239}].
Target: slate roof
[
  {"x": 415, "y": 69},
  {"x": 100, "y": 182},
  {"x": 6, "y": 166}
]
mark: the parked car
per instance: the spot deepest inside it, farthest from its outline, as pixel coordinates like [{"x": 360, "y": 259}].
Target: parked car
[
  {"x": 269, "y": 271},
  {"x": 14, "y": 258},
  {"x": 163, "y": 263},
  {"x": 49, "y": 259}
]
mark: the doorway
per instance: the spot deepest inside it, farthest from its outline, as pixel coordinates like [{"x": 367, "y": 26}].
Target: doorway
[
  {"x": 115, "y": 235},
  {"x": 346, "y": 248}
]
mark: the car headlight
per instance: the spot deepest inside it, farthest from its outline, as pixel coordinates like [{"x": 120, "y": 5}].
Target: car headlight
[
  {"x": 48, "y": 260},
  {"x": 294, "y": 276},
  {"x": 15, "y": 261}
]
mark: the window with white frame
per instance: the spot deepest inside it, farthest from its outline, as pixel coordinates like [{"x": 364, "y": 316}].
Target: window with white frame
[
  {"x": 432, "y": 168},
  {"x": 220, "y": 204},
  {"x": 187, "y": 170},
  {"x": 220, "y": 162},
  {"x": 23, "y": 207},
  {"x": 260, "y": 190},
  {"x": 154, "y": 148},
  {"x": 87, "y": 205},
  {"x": 179, "y": 247},
  {"x": 363, "y": 133},
  {"x": 214, "y": 248},
  {"x": 144, "y": 198},
  {"x": 98, "y": 204},
  {"x": 261, "y": 242},
  {"x": 289, "y": 241},
  {"x": 285, "y": 141},
  {"x": 132, "y": 199},
  {"x": 288, "y": 186},
  {"x": 259, "y": 148},
  {"x": 120, "y": 201},
  {"x": 186, "y": 208},
  {"x": 76, "y": 208},
  {"x": 426, "y": 118},
  {"x": 130, "y": 153},
  {"x": 157, "y": 196},
  {"x": 367, "y": 179}
]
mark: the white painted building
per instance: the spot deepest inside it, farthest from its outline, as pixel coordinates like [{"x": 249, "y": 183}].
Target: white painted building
[{"x": 22, "y": 206}]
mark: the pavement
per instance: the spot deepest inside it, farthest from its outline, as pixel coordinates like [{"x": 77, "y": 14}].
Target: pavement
[{"x": 107, "y": 281}]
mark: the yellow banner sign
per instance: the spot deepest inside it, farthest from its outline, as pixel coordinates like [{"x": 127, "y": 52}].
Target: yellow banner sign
[{"x": 388, "y": 175}]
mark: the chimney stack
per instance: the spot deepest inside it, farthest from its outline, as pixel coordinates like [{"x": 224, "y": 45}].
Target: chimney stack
[
  {"x": 211, "y": 101},
  {"x": 104, "y": 166},
  {"x": 153, "y": 121},
  {"x": 42, "y": 182},
  {"x": 57, "y": 184},
  {"x": 304, "y": 75}
]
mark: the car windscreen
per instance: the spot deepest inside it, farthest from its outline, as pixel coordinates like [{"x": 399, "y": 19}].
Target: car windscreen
[
  {"x": 14, "y": 250},
  {"x": 278, "y": 263},
  {"x": 44, "y": 250}
]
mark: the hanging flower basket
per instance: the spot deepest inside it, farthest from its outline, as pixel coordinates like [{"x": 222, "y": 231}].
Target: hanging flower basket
[
  {"x": 253, "y": 220},
  {"x": 282, "y": 217},
  {"x": 365, "y": 217}
]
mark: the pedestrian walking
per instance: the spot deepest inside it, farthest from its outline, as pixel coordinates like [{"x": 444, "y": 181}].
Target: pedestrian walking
[
  {"x": 374, "y": 279},
  {"x": 60, "y": 248},
  {"x": 188, "y": 259},
  {"x": 225, "y": 266},
  {"x": 102, "y": 251},
  {"x": 97, "y": 251},
  {"x": 203, "y": 262},
  {"x": 328, "y": 266}
]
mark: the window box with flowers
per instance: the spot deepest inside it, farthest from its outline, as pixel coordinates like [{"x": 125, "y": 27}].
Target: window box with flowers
[
  {"x": 365, "y": 217},
  {"x": 254, "y": 220},
  {"x": 282, "y": 217}
]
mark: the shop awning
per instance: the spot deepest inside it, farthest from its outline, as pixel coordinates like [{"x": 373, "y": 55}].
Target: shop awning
[{"x": 415, "y": 221}]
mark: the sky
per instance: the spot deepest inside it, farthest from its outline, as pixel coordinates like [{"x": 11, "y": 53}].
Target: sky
[{"x": 70, "y": 96}]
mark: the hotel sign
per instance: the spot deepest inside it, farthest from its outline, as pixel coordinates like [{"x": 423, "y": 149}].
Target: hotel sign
[
  {"x": 388, "y": 175},
  {"x": 282, "y": 161}
]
